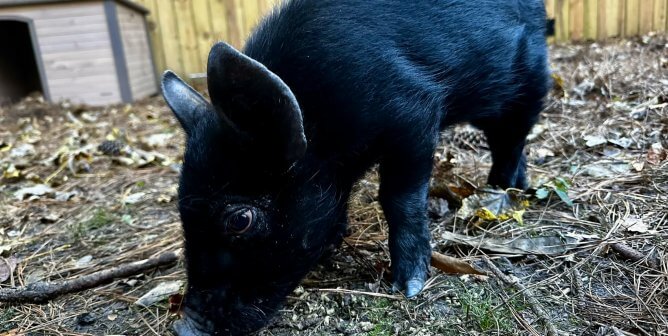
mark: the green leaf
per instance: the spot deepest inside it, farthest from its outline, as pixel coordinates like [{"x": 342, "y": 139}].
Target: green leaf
[
  {"x": 542, "y": 193},
  {"x": 563, "y": 195},
  {"x": 561, "y": 185},
  {"x": 519, "y": 216}
]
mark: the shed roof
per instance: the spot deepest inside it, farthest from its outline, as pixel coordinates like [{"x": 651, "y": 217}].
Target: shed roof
[{"x": 11, "y": 3}]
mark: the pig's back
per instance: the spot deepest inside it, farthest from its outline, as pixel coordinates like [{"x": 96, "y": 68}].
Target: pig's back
[{"x": 364, "y": 68}]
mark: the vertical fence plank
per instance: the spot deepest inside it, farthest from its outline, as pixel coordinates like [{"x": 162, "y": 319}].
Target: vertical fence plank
[
  {"x": 621, "y": 18},
  {"x": 239, "y": 9},
  {"x": 221, "y": 29},
  {"x": 632, "y": 15},
  {"x": 203, "y": 30},
  {"x": 251, "y": 15},
  {"x": 154, "y": 29},
  {"x": 590, "y": 19},
  {"x": 602, "y": 27},
  {"x": 187, "y": 36},
  {"x": 170, "y": 36},
  {"x": 646, "y": 16},
  {"x": 266, "y": 6},
  {"x": 563, "y": 20},
  {"x": 549, "y": 8},
  {"x": 612, "y": 18},
  {"x": 576, "y": 19},
  {"x": 659, "y": 15}
]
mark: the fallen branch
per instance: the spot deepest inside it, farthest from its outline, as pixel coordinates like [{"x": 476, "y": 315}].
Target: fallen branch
[
  {"x": 632, "y": 254},
  {"x": 41, "y": 292},
  {"x": 533, "y": 303}
]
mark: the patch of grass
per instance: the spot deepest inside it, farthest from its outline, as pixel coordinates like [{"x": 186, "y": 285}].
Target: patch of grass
[
  {"x": 6, "y": 315},
  {"x": 485, "y": 311},
  {"x": 378, "y": 315},
  {"x": 99, "y": 219}
]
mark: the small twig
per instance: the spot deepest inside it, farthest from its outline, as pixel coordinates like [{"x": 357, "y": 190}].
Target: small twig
[
  {"x": 533, "y": 303},
  {"x": 41, "y": 292},
  {"x": 579, "y": 286},
  {"x": 354, "y": 292}
]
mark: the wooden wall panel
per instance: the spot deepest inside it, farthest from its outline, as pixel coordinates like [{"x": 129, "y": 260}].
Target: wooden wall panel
[
  {"x": 136, "y": 46},
  {"x": 76, "y": 50}
]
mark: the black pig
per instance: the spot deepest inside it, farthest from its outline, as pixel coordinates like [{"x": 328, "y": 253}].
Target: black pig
[{"x": 323, "y": 90}]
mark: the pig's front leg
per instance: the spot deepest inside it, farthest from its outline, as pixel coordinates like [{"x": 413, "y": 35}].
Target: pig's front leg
[{"x": 403, "y": 194}]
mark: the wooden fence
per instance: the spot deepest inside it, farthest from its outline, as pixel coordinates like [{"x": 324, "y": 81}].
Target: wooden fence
[
  {"x": 578, "y": 20},
  {"x": 184, "y": 30}
]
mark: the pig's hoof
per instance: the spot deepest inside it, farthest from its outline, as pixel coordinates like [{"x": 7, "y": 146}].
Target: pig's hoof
[
  {"x": 185, "y": 327},
  {"x": 410, "y": 275},
  {"x": 412, "y": 287}
]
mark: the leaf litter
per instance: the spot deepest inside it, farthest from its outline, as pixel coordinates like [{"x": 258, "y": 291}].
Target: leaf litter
[{"x": 588, "y": 239}]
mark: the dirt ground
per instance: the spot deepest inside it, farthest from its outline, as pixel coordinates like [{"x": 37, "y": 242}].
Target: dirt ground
[{"x": 84, "y": 189}]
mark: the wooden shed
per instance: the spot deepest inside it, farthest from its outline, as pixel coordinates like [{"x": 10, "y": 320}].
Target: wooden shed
[{"x": 87, "y": 51}]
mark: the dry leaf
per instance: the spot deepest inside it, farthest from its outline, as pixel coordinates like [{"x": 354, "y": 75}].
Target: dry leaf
[
  {"x": 638, "y": 166},
  {"x": 488, "y": 205},
  {"x": 83, "y": 261},
  {"x": 159, "y": 292},
  {"x": 607, "y": 170},
  {"x": 134, "y": 198},
  {"x": 548, "y": 245},
  {"x": 36, "y": 190},
  {"x": 452, "y": 265},
  {"x": 622, "y": 142},
  {"x": 635, "y": 224},
  {"x": 158, "y": 140},
  {"x": 7, "y": 266},
  {"x": 594, "y": 140},
  {"x": 11, "y": 172},
  {"x": 22, "y": 151},
  {"x": 656, "y": 154}
]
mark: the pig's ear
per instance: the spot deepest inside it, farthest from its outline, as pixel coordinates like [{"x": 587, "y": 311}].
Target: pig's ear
[
  {"x": 257, "y": 101},
  {"x": 188, "y": 105}
]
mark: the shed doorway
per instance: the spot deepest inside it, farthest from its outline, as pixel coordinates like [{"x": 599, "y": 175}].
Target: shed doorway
[{"x": 19, "y": 72}]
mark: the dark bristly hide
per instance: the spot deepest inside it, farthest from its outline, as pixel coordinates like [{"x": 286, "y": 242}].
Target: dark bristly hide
[{"x": 323, "y": 90}]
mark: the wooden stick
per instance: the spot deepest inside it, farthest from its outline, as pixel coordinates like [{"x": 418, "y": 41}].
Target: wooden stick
[
  {"x": 41, "y": 292},
  {"x": 533, "y": 303},
  {"x": 632, "y": 254}
]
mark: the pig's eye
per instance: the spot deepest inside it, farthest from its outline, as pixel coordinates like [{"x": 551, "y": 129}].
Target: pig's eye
[{"x": 239, "y": 221}]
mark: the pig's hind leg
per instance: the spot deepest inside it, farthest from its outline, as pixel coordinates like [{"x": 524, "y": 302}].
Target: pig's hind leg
[{"x": 404, "y": 184}]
